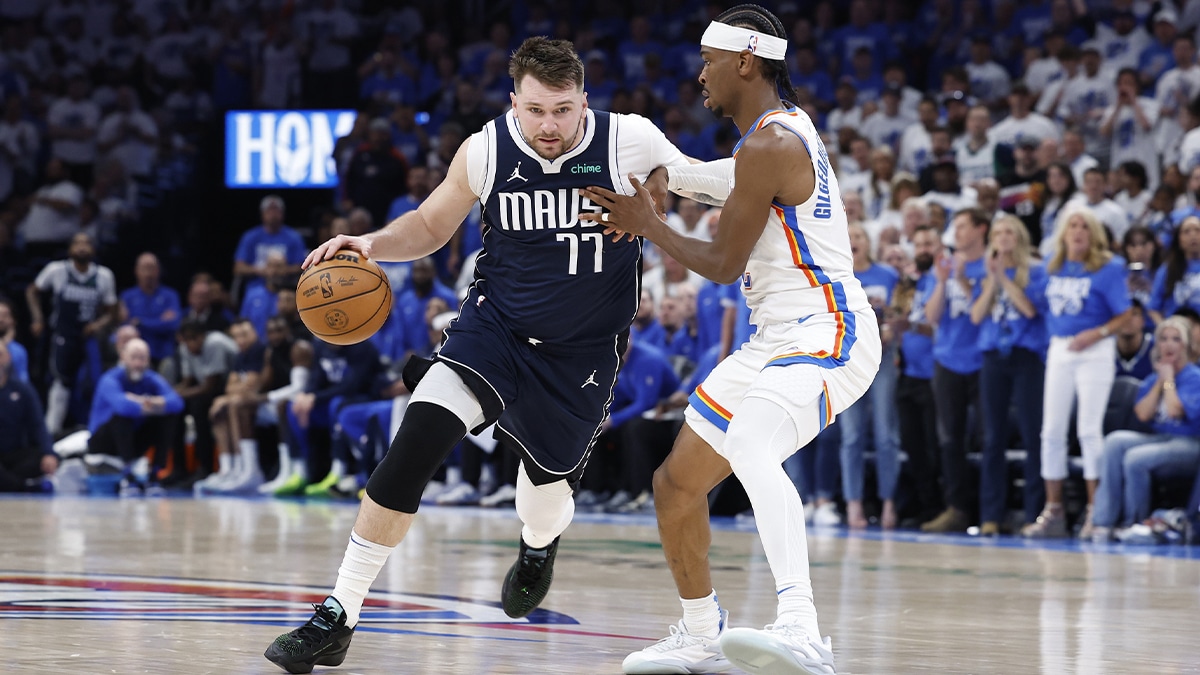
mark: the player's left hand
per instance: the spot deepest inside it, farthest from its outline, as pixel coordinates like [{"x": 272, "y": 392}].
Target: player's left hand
[{"x": 627, "y": 216}]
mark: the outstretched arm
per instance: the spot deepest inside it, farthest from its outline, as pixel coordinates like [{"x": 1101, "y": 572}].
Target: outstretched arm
[{"x": 770, "y": 165}]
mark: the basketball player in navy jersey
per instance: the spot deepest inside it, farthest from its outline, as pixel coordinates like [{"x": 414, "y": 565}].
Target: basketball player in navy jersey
[
  {"x": 783, "y": 231},
  {"x": 546, "y": 316},
  {"x": 84, "y": 303}
]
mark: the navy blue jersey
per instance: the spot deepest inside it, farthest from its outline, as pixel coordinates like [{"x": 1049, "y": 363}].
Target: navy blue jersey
[{"x": 552, "y": 276}]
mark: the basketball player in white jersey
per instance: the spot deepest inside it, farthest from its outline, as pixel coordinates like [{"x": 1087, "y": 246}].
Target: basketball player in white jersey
[{"x": 783, "y": 232}]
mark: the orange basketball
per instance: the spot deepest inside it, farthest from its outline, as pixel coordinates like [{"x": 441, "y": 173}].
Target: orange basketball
[{"x": 345, "y": 300}]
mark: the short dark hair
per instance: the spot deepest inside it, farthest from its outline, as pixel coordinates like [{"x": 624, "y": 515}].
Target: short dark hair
[
  {"x": 978, "y": 217},
  {"x": 1136, "y": 171},
  {"x": 1093, "y": 170},
  {"x": 554, "y": 63},
  {"x": 192, "y": 328}
]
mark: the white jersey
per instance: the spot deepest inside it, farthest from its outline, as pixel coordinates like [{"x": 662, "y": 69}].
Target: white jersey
[{"x": 801, "y": 265}]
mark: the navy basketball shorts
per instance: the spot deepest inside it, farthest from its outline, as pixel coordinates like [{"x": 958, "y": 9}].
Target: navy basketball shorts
[{"x": 548, "y": 401}]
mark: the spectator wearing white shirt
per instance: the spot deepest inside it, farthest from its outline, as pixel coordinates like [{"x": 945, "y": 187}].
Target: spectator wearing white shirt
[
  {"x": 1042, "y": 65},
  {"x": 886, "y": 125},
  {"x": 847, "y": 114},
  {"x": 688, "y": 219},
  {"x": 1074, "y": 153},
  {"x": 1121, "y": 44},
  {"x": 278, "y": 80},
  {"x": 1084, "y": 101},
  {"x": 975, "y": 153},
  {"x": 1051, "y": 97},
  {"x": 989, "y": 80},
  {"x": 1175, "y": 89},
  {"x": 327, "y": 33},
  {"x": 168, "y": 54},
  {"x": 894, "y": 75},
  {"x": 121, "y": 47},
  {"x": 915, "y": 143},
  {"x": 1129, "y": 123},
  {"x": 129, "y": 135},
  {"x": 53, "y": 216},
  {"x": 1134, "y": 197},
  {"x": 1022, "y": 122},
  {"x": 19, "y": 143},
  {"x": 72, "y": 40},
  {"x": 1107, "y": 211},
  {"x": 71, "y": 123}
]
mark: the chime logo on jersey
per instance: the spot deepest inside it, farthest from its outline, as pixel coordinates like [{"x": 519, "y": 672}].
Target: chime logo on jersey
[
  {"x": 544, "y": 209},
  {"x": 136, "y": 598},
  {"x": 1065, "y": 294}
]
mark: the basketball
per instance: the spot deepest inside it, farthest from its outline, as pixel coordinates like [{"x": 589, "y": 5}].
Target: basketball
[{"x": 343, "y": 301}]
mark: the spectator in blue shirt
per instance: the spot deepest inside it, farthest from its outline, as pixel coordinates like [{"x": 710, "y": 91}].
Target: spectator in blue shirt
[
  {"x": 260, "y": 303},
  {"x": 134, "y": 409},
  {"x": 409, "y": 312},
  {"x": 861, "y": 33},
  {"x": 25, "y": 453},
  {"x": 341, "y": 376},
  {"x": 646, "y": 379},
  {"x": 1169, "y": 400},
  {"x": 250, "y": 260},
  {"x": 806, "y": 75},
  {"x": 1159, "y": 56},
  {"x": 8, "y": 337},
  {"x": 645, "y": 328},
  {"x": 914, "y": 391},
  {"x": 1177, "y": 282},
  {"x": 418, "y": 189},
  {"x": 957, "y": 357},
  {"x": 1086, "y": 302},
  {"x": 384, "y": 82},
  {"x": 876, "y": 410},
  {"x": 152, "y": 308},
  {"x": 1134, "y": 345},
  {"x": 1012, "y": 337}
]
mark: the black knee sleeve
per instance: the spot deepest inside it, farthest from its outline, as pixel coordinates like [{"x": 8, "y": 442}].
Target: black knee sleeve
[{"x": 426, "y": 437}]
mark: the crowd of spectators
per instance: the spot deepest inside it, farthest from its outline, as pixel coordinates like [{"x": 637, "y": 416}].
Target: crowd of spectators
[{"x": 1022, "y": 179}]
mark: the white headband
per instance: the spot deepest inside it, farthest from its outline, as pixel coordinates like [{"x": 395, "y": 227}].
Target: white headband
[{"x": 735, "y": 39}]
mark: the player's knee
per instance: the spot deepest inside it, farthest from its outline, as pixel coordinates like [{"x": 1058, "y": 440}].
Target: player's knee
[{"x": 425, "y": 439}]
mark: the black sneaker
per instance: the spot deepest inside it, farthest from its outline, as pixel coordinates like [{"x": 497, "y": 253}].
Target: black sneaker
[
  {"x": 323, "y": 641},
  {"x": 528, "y": 580}
]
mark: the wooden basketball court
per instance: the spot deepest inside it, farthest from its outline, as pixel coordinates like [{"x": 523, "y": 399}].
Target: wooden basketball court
[{"x": 94, "y": 585}]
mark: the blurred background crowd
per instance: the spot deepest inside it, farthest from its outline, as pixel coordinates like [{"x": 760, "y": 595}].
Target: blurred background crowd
[{"x": 986, "y": 150}]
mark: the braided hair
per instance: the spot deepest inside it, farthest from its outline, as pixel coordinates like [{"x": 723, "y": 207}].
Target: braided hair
[{"x": 758, "y": 18}]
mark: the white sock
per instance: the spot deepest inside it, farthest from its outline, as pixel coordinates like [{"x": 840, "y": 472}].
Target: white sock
[
  {"x": 140, "y": 469},
  {"x": 337, "y": 468},
  {"x": 702, "y": 616},
  {"x": 546, "y": 510},
  {"x": 453, "y": 475},
  {"x": 360, "y": 566},
  {"x": 758, "y": 436},
  {"x": 248, "y": 451},
  {"x": 57, "y": 401},
  {"x": 225, "y": 464},
  {"x": 285, "y": 462}
]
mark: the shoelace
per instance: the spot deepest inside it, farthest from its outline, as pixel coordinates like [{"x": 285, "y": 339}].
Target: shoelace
[
  {"x": 314, "y": 631},
  {"x": 530, "y": 571},
  {"x": 677, "y": 638}
]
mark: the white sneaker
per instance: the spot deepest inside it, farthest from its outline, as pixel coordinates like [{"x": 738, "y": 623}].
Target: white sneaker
[
  {"x": 826, "y": 515},
  {"x": 432, "y": 489},
  {"x": 780, "y": 649},
  {"x": 503, "y": 495},
  {"x": 247, "y": 482},
  {"x": 680, "y": 652},
  {"x": 274, "y": 484},
  {"x": 459, "y": 495}
]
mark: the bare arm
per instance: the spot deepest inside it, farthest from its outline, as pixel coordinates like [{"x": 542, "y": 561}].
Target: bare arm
[
  {"x": 776, "y": 165},
  {"x": 983, "y": 304},
  {"x": 418, "y": 233}
]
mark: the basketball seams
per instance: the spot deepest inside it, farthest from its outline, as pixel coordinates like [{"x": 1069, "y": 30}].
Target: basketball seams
[{"x": 387, "y": 302}]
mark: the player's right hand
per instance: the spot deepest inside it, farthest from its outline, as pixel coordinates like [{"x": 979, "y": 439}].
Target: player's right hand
[{"x": 330, "y": 248}]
